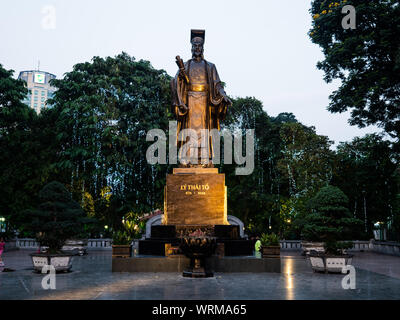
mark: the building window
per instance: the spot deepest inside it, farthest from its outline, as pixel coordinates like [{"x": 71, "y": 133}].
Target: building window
[
  {"x": 43, "y": 92},
  {"x": 36, "y": 92}
]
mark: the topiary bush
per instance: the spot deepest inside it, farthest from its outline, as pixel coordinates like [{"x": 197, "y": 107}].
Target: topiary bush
[
  {"x": 57, "y": 219},
  {"x": 330, "y": 221}
]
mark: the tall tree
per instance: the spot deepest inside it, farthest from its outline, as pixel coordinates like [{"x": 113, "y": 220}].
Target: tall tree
[
  {"x": 306, "y": 164},
  {"x": 246, "y": 194},
  {"x": 365, "y": 170},
  {"x": 20, "y": 163},
  {"x": 365, "y": 59},
  {"x": 105, "y": 109}
]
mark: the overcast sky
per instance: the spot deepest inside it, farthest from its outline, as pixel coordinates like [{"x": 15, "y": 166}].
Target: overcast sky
[{"x": 260, "y": 47}]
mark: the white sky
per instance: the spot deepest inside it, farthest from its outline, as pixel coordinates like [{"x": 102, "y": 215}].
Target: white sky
[{"x": 260, "y": 47}]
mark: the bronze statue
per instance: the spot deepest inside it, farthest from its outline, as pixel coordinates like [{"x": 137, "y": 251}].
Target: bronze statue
[{"x": 199, "y": 100}]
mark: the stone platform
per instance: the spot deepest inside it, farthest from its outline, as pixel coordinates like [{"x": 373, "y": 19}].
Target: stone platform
[
  {"x": 156, "y": 247},
  {"x": 179, "y": 262},
  {"x": 378, "y": 278}
]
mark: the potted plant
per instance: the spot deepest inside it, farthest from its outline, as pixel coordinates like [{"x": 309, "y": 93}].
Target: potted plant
[
  {"x": 270, "y": 246},
  {"x": 330, "y": 222},
  {"x": 57, "y": 219},
  {"x": 122, "y": 244},
  {"x": 134, "y": 225}
]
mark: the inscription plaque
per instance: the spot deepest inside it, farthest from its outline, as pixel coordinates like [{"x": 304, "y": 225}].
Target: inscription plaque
[{"x": 195, "y": 199}]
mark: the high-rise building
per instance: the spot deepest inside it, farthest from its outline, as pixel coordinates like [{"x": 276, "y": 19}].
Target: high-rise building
[{"x": 39, "y": 88}]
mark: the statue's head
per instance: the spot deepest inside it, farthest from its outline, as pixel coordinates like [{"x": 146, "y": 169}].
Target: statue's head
[
  {"x": 197, "y": 47},
  {"x": 197, "y": 40}
]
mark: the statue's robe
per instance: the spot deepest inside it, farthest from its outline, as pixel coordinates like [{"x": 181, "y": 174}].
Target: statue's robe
[{"x": 203, "y": 98}]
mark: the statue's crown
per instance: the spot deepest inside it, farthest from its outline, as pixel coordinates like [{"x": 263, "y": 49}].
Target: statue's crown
[{"x": 195, "y": 34}]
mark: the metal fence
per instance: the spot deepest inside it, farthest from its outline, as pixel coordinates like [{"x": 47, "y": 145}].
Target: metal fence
[
  {"x": 290, "y": 245},
  {"x": 99, "y": 244},
  {"x": 92, "y": 244},
  {"x": 357, "y": 245}
]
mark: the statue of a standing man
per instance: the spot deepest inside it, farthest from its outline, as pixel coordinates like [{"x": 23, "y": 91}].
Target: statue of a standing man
[{"x": 199, "y": 102}]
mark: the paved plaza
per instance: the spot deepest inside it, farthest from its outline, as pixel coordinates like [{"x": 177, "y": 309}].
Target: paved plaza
[{"x": 377, "y": 277}]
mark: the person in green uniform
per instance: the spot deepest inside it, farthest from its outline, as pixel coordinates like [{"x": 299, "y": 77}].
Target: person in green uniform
[{"x": 257, "y": 246}]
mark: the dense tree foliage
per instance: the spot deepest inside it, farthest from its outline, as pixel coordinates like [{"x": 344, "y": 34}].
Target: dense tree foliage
[
  {"x": 330, "y": 220},
  {"x": 105, "y": 108},
  {"x": 20, "y": 157},
  {"x": 93, "y": 140},
  {"x": 365, "y": 170},
  {"x": 365, "y": 59},
  {"x": 57, "y": 219}
]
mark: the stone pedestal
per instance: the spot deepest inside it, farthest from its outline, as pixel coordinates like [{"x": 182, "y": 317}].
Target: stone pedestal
[{"x": 195, "y": 197}]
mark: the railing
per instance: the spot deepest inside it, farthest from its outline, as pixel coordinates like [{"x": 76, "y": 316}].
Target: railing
[
  {"x": 386, "y": 247},
  {"x": 27, "y": 244},
  {"x": 290, "y": 244},
  {"x": 361, "y": 246},
  {"x": 99, "y": 244},
  {"x": 297, "y": 245},
  {"x": 92, "y": 244},
  {"x": 391, "y": 248}
]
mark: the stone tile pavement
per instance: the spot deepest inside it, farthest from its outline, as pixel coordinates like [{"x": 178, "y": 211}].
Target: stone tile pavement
[{"x": 378, "y": 277}]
